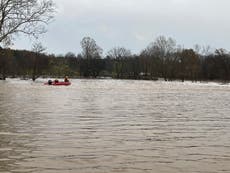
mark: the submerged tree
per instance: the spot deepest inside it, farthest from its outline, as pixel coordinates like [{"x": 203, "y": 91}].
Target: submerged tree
[
  {"x": 189, "y": 65},
  {"x": 91, "y": 52},
  {"x": 119, "y": 54},
  {"x": 161, "y": 52},
  {"x": 38, "y": 61}
]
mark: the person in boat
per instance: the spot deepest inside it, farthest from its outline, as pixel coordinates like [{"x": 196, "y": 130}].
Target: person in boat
[
  {"x": 50, "y": 82},
  {"x": 66, "y": 79},
  {"x": 56, "y": 81}
]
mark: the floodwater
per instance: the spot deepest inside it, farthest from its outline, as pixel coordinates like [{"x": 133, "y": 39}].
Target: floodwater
[{"x": 114, "y": 126}]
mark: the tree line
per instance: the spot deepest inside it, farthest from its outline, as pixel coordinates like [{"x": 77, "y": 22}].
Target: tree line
[{"x": 162, "y": 58}]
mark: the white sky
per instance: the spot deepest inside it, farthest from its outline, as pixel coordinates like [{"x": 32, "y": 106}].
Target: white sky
[{"x": 135, "y": 23}]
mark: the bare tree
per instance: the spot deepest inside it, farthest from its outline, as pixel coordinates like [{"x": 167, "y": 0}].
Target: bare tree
[
  {"x": 38, "y": 49},
  {"x": 206, "y": 50},
  {"x": 197, "y": 48},
  {"x": 29, "y": 17},
  {"x": 70, "y": 55},
  {"x": 162, "y": 49},
  {"x": 90, "y": 48},
  {"x": 163, "y": 46},
  {"x": 189, "y": 66},
  {"x": 119, "y": 52}
]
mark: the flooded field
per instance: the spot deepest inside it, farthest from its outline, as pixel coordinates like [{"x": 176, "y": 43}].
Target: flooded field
[{"x": 114, "y": 126}]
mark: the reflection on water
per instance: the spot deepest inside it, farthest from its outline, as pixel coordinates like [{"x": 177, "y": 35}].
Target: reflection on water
[{"x": 96, "y": 126}]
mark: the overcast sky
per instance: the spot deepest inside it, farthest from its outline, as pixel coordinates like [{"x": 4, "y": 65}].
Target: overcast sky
[{"x": 133, "y": 24}]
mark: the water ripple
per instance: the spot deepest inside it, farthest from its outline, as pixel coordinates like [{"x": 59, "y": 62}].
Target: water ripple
[{"x": 114, "y": 126}]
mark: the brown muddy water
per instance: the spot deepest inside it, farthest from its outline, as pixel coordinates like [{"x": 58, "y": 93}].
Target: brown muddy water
[{"x": 114, "y": 126}]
